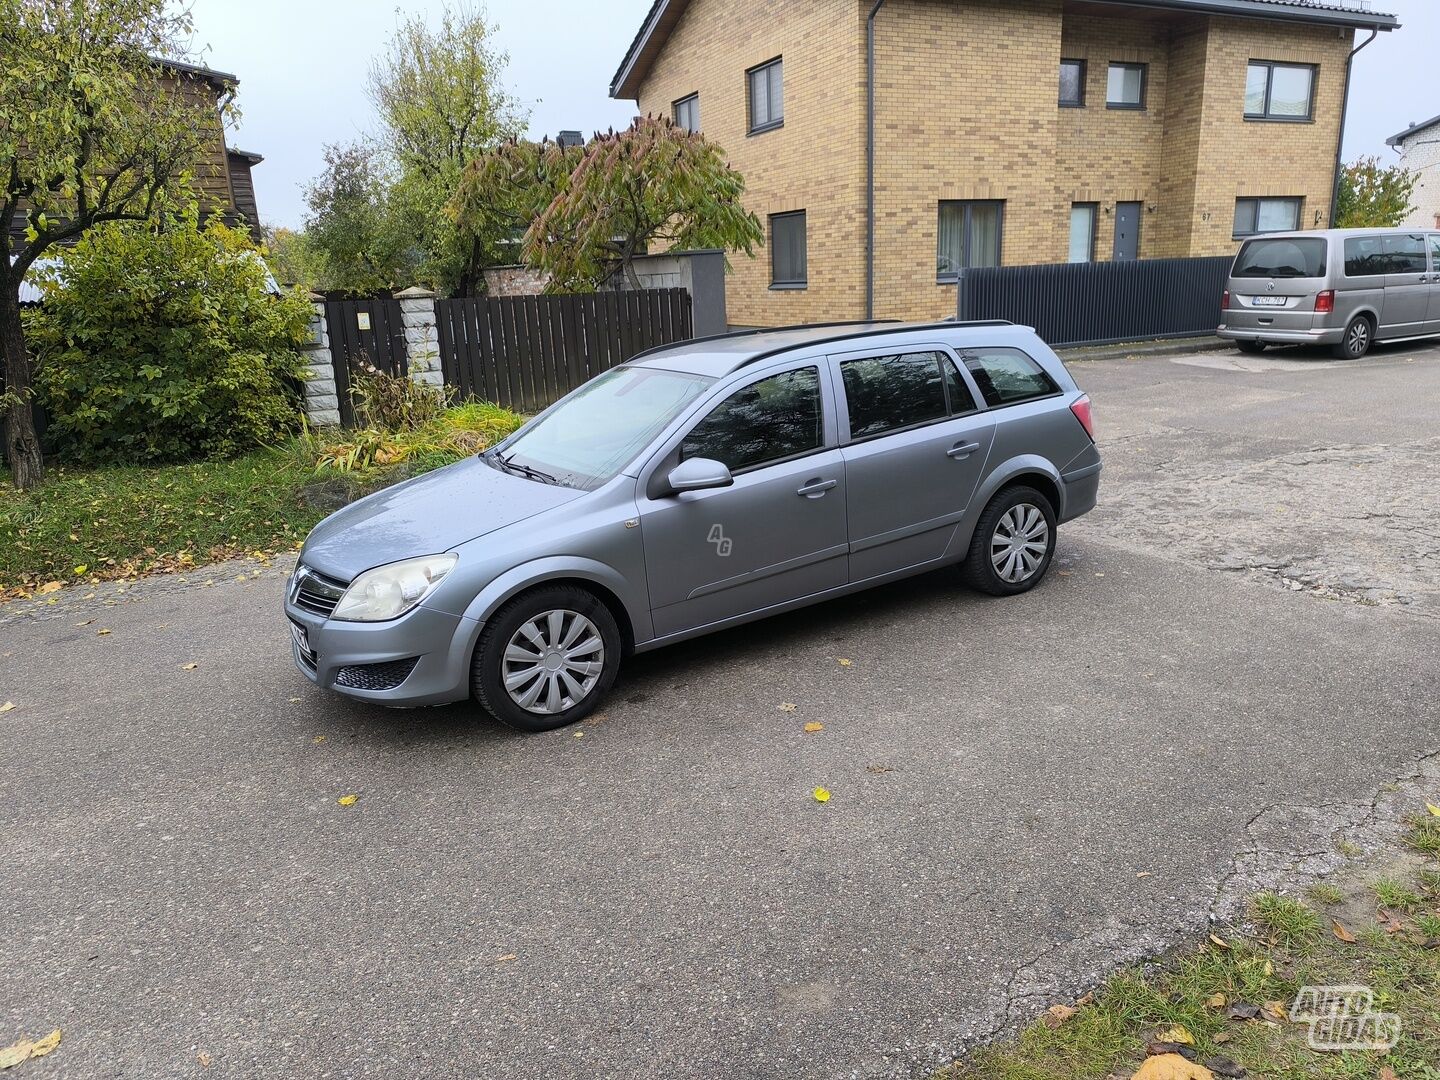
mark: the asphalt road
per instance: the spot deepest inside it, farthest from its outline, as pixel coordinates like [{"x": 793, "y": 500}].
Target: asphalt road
[{"x": 656, "y": 893}]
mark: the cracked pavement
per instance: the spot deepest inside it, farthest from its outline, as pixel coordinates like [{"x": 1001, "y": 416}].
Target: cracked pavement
[{"x": 660, "y": 896}]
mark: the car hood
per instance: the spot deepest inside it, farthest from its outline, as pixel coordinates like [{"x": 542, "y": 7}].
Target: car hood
[{"x": 426, "y": 515}]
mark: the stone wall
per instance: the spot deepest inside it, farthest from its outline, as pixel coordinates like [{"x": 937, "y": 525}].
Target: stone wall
[{"x": 322, "y": 403}]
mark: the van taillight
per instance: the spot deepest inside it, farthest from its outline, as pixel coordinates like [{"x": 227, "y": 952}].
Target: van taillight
[
  {"x": 1081, "y": 409},
  {"x": 1325, "y": 302},
  {"x": 1225, "y": 301}
]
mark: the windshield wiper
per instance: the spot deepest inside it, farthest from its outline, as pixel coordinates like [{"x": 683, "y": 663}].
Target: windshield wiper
[{"x": 510, "y": 465}]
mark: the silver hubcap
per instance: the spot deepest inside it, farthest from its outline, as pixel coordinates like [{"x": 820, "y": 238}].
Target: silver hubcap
[
  {"x": 1018, "y": 545},
  {"x": 1359, "y": 336},
  {"x": 553, "y": 662}
]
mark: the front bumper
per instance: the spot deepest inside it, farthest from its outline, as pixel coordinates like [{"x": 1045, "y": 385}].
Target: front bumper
[{"x": 376, "y": 653}]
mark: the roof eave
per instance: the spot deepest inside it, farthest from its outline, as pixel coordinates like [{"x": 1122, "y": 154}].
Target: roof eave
[{"x": 1396, "y": 140}]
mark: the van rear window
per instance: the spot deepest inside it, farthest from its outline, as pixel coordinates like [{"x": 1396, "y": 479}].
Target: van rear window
[{"x": 1281, "y": 257}]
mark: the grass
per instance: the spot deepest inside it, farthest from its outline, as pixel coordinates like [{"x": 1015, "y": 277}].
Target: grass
[
  {"x": 1293, "y": 947},
  {"x": 103, "y": 523}
]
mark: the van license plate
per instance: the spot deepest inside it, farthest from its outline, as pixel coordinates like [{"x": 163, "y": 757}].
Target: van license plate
[{"x": 1271, "y": 301}]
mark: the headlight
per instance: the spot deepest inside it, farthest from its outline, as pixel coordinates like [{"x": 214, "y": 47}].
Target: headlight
[{"x": 387, "y": 592}]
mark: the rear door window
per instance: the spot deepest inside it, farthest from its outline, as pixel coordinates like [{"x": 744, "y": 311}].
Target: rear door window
[
  {"x": 1281, "y": 257},
  {"x": 1405, "y": 254},
  {"x": 1008, "y": 376},
  {"x": 1365, "y": 256}
]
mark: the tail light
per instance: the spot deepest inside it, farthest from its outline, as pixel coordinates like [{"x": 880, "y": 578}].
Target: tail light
[
  {"x": 1225, "y": 301},
  {"x": 1325, "y": 301},
  {"x": 1081, "y": 409}
]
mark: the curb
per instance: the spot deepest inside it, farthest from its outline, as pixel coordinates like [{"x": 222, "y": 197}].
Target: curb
[{"x": 1126, "y": 350}]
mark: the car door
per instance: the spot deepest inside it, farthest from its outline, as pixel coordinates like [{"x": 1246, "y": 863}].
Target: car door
[
  {"x": 1432, "y": 318},
  {"x": 915, "y": 446},
  {"x": 1407, "y": 286},
  {"x": 777, "y": 533}
]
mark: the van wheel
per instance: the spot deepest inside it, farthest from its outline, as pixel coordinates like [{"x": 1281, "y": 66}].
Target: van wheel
[
  {"x": 1251, "y": 347},
  {"x": 546, "y": 659},
  {"x": 1359, "y": 336},
  {"x": 1013, "y": 543}
]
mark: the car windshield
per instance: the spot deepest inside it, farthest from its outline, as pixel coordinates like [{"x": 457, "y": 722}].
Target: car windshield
[
  {"x": 595, "y": 432},
  {"x": 1281, "y": 257}
]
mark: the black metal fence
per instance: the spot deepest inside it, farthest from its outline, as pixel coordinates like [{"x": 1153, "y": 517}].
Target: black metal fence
[
  {"x": 526, "y": 352},
  {"x": 1100, "y": 303}
]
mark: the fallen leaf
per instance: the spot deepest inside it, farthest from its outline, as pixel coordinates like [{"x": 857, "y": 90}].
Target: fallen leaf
[
  {"x": 190, "y": 666},
  {"x": 1340, "y": 931},
  {"x": 1223, "y": 1066},
  {"x": 879, "y": 769},
  {"x": 293, "y": 700},
  {"x": 348, "y": 800},
  {"x": 1215, "y": 1001},
  {"x": 14, "y": 1055},
  {"x": 821, "y": 794},
  {"x": 1154, "y": 1048},
  {"x": 102, "y": 633},
  {"x": 81, "y": 569},
  {"x": 204, "y": 1059},
  {"x": 49, "y": 587},
  {"x": 1269, "y": 969},
  {"x": 1057, "y": 1015},
  {"x": 7, "y": 706},
  {"x": 1172, "y": 1067},
  {"x": 1221, "y": 1037},
  {"x": 1275, "y": 1012},
  {"x": 787, "y": 706},
  {"x": 579, "y": 734},
  {"x": 1086, "y": 998},
  {"x": 87, "y": 622},
  {"x": 1386, "y": 1073},
  {"x": 1144, "y": 873},
  {"x": 505, "y": 959},
  {"x": 843, "y": 663},
  {"x": 1219, "y": 941},
  {"x": 813, "y": 727},
  {"x": 1177, "y": 1034},
  {"x": 1242, "y": 1010},
  {"x": 46, "y": 1045},
  {"x": 318, "y": 739},
  {"x": 1434, "y": 810}
]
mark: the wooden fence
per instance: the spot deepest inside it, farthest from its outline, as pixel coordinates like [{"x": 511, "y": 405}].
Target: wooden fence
[{"x": 526, "y": 352}]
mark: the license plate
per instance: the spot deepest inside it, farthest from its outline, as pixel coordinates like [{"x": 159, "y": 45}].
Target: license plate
[
  {"x": 301, "y": 636},
  {"x": 1271, "y": 301}
]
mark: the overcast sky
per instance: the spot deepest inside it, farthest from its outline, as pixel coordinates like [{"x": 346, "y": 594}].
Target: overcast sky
[{"x": 302, "y": 64}]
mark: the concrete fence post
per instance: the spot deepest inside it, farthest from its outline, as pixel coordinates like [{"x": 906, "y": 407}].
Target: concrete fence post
[
  {"x": 417, "y": 309},
  {"x": 322, "y": 402}
]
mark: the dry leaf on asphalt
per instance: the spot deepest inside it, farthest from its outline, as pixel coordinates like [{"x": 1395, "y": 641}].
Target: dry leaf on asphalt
[
  {"x": 1176, "y": 1034},
  {"x": 348, "y": 800},
  {"x": 7, "y": 706},
  {"x": 1172, "y": 1067},
  {"x": 318, "y": 739},
  {"x": 1340, "y": 931},
  {"x": 505, "y": 959},
  {"x": 843, "y": 663},
  {"x": 26, "y": 1049},
  {"x": 813, "y": 727},
  {"x": 102, "y": 633},
  {"x": 579, "y": 734},
  {"x": 87, "y": 622},
  {"x": 787, "y": 706},
  {"x": 1057, "y": 1015},
  {"x": 821, "y": 794},
  {"x": 204, "y": 1059},
  {"x": 45, "y": 1045},
  {"x": 190, "y": 667},
  {"x": 879, "y": 770}
]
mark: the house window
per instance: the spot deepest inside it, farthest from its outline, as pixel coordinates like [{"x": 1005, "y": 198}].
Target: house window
[
  {"x": 1266, "y": 215},
  {"x": 687, "y": 113},
  {"x": 1082, "y": 231},
  {"x": 767, "y": 96},
  {"x": 1125, "y": 87},
  {"x": 1279, "y": 91},
  {"x": 787, "y": 250},
  {"x": 969, "y": 235},
  {"x": 1072, "y": 84}
]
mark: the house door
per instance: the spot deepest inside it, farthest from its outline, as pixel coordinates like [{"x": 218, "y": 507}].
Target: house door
[{"x": 1127, "y": 231}]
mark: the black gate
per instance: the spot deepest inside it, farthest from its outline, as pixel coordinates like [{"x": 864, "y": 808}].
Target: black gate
[{"x": 371, "y": 331}]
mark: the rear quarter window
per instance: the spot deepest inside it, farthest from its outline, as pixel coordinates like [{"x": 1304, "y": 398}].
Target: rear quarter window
[
  {"x": 1281, "y": 257},
  {"x": 1008, "y": 376},
  {"x": 1365, "y": 256}
]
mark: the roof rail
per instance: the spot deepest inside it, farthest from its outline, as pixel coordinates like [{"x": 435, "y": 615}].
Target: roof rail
[
  {"x": 947, "y": 324},
  {"x": 757, "y": 330}
]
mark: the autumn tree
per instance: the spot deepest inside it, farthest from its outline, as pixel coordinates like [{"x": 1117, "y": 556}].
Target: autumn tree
[
  {"x": 1373, "y": 196},
  {"x": 654, "y": 183},
  {"x": 92, "y": 130}
]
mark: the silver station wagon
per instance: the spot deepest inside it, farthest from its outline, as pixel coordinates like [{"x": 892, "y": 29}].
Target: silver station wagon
[
  {"x": 699, "y": 486},
  {"x": 1346, "y": 288}
]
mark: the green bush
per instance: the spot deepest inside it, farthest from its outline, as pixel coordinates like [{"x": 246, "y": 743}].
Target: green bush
[{"x": 161, "y": 343}]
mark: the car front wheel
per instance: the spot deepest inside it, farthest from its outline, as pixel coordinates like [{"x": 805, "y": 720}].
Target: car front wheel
[
  {"x": 546, "y": 658},
  {"x": 1013, "y": 544}
]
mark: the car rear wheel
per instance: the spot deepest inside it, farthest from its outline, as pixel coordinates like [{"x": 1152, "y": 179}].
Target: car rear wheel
[
  {"x": 1359, "y": 336},
  {"x": 546, "y": 659},
  {"x": 1251, "y": 347},
  {"x": 1013, "y": 544}
]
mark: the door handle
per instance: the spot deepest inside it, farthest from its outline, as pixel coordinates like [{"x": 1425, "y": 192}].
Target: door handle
[
  {"x": 962, "y": 450},
  {"x": 816, "y": 488}
]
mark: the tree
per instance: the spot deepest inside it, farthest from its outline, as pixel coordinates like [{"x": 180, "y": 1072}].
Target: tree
[
  {"x": 352, "y": 230},
  {"x": 653, "y": 183},
  {"x": 502, "y": 192},
  {"x": 1372, "y": 196},
  {"x": 92, "y": 130},
  {"x": 441, "y": 104},
  {"x": 291, "y": 256}
]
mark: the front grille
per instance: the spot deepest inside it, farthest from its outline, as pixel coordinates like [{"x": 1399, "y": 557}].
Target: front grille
[
  {"x": 385, "y": 676},
  {"x": 314, "y": 592}
]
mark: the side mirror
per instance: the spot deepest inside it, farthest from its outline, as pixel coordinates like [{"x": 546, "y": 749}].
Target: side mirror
[{"x": 699, "y": 474}]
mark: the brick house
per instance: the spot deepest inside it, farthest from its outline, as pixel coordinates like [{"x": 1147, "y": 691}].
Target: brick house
[
  {"x": 1015, "y": 132},
  {"x": 1419, "y": 150}
]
